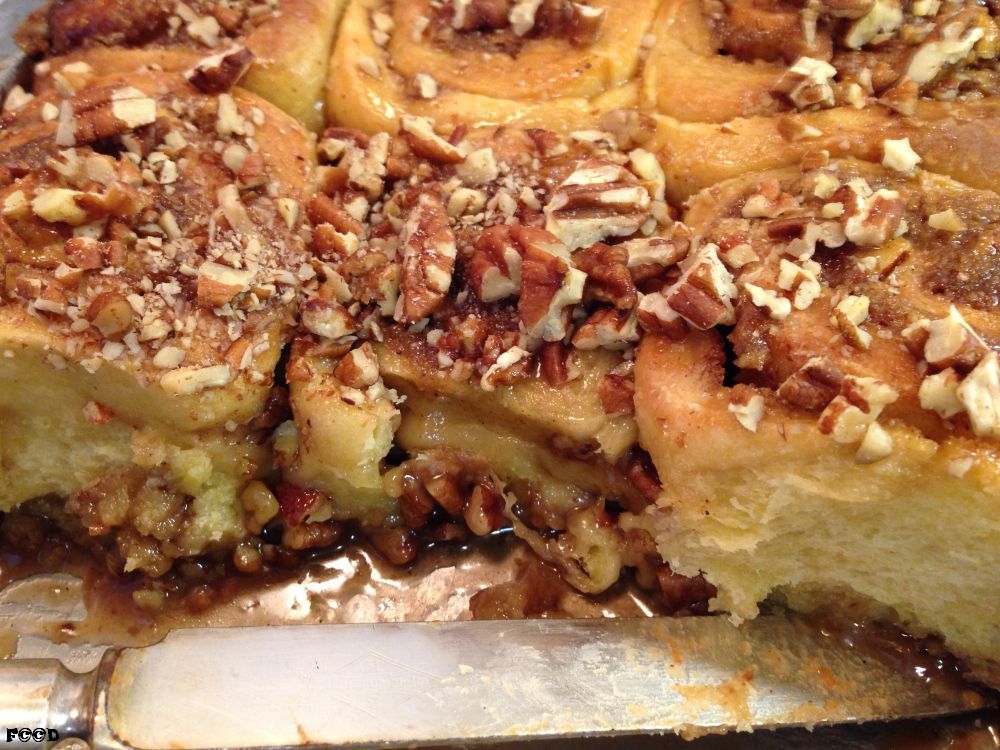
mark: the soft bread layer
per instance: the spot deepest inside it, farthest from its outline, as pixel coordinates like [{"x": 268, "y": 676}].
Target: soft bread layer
[
  {"x": 548, "y": 84},
  {"x": 786, "y": 507},
  {"x": 515, "y": 427},
  {"x": 61, "y": 449}
]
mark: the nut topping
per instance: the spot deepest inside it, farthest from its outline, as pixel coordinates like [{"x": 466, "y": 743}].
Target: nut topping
[
  {"x": 813, "y": 386},
  {"x": 220, "y": 72},
  {"x": 951, "y": 342},
  {"x": 428, "y": 249},
  {"x": 869, "y": 219},
  {"x": 419, "y": 132},
  {"x": 219, "y": 284},
  {"x": 980, "y": 394},
  {"x": 549, "y": 285},
  {"x": 327, "y": 319},
  {"x": 703, "y": 295},
  {"x": 599, "y": 200},
  {"x": 859, "y": 404}
]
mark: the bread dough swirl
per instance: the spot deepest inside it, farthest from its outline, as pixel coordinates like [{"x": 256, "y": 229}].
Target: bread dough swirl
[{"x": 395, "y": 58}]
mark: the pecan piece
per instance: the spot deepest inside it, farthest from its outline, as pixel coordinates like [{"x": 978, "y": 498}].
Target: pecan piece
[
  {"x": 608, "y": 328},
  {"x": 219, "y": 73},
  {"x": 599, "y": 200},
  {"x": 812, "y": 386},
  {"x": 428, "y": 250},
  {"x": 617, "y": 390},
  {"x": 869, "y": 218},
  {"x": 549, "y": 285},
  {"x": 608, "y": 277},
  {"x": 702, "y": 296},
  {"x": 495, "y": 266}
]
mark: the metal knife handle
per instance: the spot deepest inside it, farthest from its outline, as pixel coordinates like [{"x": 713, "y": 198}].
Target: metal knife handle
[{"x": 41, "y": 694}]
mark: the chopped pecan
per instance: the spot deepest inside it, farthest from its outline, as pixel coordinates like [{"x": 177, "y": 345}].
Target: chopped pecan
[
  {"x": 297, "y": 504},
  {"x": 103, "y": 113},
  {"x": 608, "y": 277},
  {"x": 600, "y": 199},
  {"x": 703, "y": 295},
  {"x": 419, "y": 133},
  {"x": 327, "y": 319},
  {"x": 484, "y": 510},
  {"x": 949, "y": 43},
  {"x": 549, "y": 286},
  {"x": 813, "y": 386},
  {"x": 322, "y": 209},
  {"x": 860, "y": 402},
  {"x": 617, "y": 390},
  {"x": 358, "y": 368},
  {"x": 769, "y": 202},
  {"x": 553, "y": 356},
  {"x": 509, "y": 367},
  {"x": 648, "y": 256},
  {"x": 219, "y": 284},
  {"x": 220, "y": 72},
  {"x": 111, "y": 314},
  {"x": 869, "y": 218},
  {"x": 428, "y": 250},
  {"x": 807, "y": 83},
  {"x": 608, "y": 328},
  {"x": 951, "y": 342},
  {"x": 849, "y": 314},
  {"x": 979, "y": 392},
  {"x": 494, "y": 268}
]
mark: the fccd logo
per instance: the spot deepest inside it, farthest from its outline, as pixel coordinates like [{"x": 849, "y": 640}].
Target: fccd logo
[{"x": 23, "y": 734}]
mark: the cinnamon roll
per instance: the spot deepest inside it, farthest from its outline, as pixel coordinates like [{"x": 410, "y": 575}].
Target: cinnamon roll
[
  {"x": 152, "y": 253},
  {"x": 716, "y": 60},
  {"x": 553, "y": 64},
  {"x": 821, "y": 395},
  {"x": 278, "y": 49},
  {"x": 471, "y": 325}
]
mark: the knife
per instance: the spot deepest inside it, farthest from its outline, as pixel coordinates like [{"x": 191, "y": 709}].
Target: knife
[{"x": 412, "y": 684}]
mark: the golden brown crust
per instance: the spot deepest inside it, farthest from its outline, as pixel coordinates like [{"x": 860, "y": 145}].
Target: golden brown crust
[
  {"x": 289, "y": 40},
  {"x": 957, "y": 140},
  {"x": 716, "y": 61},
  {"x": 487, "y": 75}
]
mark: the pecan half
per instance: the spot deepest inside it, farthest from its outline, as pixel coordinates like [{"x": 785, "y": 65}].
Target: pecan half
[
  {"x": 599, "y": 200},
  {"x": 608, "y": 276},
  {"x": 702, "y": 296},
  {"x": 428, "y": 249}
]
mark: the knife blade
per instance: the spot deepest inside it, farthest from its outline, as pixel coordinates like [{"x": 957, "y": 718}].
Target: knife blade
[{"x": 407, "y": 684}]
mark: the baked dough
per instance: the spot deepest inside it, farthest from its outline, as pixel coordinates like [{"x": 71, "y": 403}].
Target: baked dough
[
  {"x": 454, "y": 63},
  {"x": 290, "y": 41},
  {"x": 148, "y": 293},
  {"x": 843, "y": 443}
]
